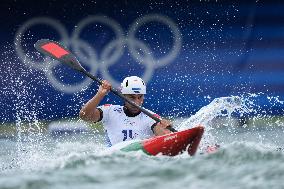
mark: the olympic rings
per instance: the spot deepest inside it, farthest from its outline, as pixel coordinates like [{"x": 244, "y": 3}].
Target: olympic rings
[
  {"x": 147, "y": 61},
  {"x": 177, "y": 38},
  {"x": 18, "y": 39},
  {"x": 110, "y": 53}
]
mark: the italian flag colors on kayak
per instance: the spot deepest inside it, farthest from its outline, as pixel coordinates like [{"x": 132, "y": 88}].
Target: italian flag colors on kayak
[{"x": 171, "y": 144}]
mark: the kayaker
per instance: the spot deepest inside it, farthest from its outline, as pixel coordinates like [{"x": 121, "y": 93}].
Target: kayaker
[{"x": 123, "y": 123}]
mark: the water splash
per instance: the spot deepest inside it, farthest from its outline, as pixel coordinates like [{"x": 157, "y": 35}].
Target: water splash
[
  {"x": 235, "y": 113},
  {"x": 223, "y": 106}
]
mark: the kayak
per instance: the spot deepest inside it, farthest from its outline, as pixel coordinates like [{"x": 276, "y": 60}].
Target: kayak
[{"x": 171, "y": 144}]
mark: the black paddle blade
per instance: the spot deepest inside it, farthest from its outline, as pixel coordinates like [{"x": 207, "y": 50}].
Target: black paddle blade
[{"x": 59, "y": 52}]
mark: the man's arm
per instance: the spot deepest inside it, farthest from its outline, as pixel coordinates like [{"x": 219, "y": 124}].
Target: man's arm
[{"x": 89, "y": 111}]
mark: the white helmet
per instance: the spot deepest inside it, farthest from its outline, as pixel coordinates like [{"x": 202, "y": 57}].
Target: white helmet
[{"x": 133, "y": 85}]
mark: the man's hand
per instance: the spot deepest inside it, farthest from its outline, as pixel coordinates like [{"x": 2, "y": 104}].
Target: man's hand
[
  {"x": 161, "y": 127},
  {"x": 89, "y": 112},
  {"x": 104, "y": 88}
]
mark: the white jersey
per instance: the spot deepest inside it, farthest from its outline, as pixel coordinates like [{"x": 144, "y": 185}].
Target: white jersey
[{"x": 120, "y": 127}]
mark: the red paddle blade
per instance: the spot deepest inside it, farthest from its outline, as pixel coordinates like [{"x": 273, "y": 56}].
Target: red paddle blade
[
  {"x": 59, "y": 52},
  {"x": 54, "y": 49}
]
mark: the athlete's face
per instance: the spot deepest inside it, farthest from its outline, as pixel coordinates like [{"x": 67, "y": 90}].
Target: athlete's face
[{"x": 137, "y": 98}]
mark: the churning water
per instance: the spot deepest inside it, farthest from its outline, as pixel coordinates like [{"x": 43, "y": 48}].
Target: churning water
[{"x": 250, "y": 156}]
